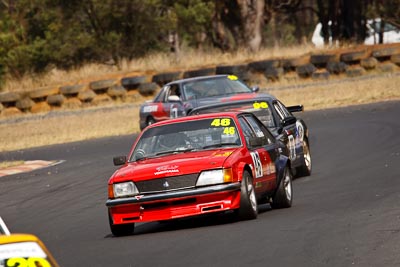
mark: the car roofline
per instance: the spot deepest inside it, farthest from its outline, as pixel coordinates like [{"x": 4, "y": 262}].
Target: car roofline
[
  {"x": 231, "y": 102},
  {"x": 198, "y": 78},
  {"x": 197, "y": 117}
]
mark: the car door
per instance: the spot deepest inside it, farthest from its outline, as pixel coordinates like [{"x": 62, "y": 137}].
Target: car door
[
  {"x": 289, "y": 133},
  {"x": 172, "y": 103},
  {"x": 262, "y": 152}
]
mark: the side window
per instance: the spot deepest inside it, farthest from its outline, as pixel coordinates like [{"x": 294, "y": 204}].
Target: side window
[
  {"x": 260, "y": 130},
  {"x": 284, "y": 110},
  {"x": 247, "y": 132},
  {"x": 162, "y": 95},
  {"x": 279, "y": 111},
  {"x": 174, "y": 90}
]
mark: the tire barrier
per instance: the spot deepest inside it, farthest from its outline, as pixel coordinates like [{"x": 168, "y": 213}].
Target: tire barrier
[{"x": 140, "y": 86}]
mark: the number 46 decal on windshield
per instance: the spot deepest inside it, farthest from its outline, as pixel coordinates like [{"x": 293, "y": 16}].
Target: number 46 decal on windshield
[
  {"x": 221, "y": 122},
  {"x": 224, "y": 123}
]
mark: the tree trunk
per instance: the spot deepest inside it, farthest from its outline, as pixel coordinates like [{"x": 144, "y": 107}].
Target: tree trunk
[{"x": 252, "y": 13}]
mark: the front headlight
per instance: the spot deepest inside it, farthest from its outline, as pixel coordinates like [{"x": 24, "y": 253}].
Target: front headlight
[
  {"x": 125, "y": 189},
  {"x": 219, "y": 176}
]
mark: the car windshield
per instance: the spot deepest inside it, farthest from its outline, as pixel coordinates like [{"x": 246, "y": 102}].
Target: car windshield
[
  {"x": 183, "y": 137},
  {"x": 215, "y": 86},
  {"x": 259, "y": 108}
]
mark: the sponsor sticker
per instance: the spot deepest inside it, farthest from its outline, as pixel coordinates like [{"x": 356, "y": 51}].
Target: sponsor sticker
[
  {"x": 260, "y": 105},
  {"x": 152, "y": 108},
  {"x": 166, "y": 169}
]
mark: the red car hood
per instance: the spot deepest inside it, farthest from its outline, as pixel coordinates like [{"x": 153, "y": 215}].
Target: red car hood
[{"x": 172, "y": 165}]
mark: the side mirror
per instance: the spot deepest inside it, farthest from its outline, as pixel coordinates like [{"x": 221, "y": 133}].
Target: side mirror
[
  {"x": 297, "y": 108},
  {"x": 255, "y": 89},
  {"x": 174, "y": 98},
  {"x": 288, "y": 121},
  {"x": 119, "y": 160}
]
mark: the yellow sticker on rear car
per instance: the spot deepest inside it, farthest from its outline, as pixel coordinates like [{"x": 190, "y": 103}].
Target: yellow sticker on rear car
[
  {"x": 232, "y": 77},
  {"x": 260, "y": 105}
]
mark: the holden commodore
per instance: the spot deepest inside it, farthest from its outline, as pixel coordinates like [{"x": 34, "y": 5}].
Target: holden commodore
[{"x": 198, "y": 165}]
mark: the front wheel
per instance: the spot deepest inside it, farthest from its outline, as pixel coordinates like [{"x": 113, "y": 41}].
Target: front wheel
[
  {"x": 121, "y": 229},
  {"x": 284, "y": 194},
  {"x": 248, "y": 203}
]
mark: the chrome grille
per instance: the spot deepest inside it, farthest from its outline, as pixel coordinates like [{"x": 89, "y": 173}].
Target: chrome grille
[{"x": 167, "y": 183}]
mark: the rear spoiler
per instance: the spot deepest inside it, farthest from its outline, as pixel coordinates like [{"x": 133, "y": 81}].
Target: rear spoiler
[{"x": 297, "y": 108}]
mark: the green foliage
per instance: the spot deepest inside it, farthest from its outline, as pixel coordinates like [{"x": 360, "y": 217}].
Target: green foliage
[
  {"x": 193, "y": 18},
  {"x": 36, "y": 34}
]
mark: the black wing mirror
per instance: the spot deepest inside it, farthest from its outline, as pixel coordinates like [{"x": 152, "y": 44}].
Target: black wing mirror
[
  {"x": 119, "y": 160},
  {"x": 255, "y": 89}
]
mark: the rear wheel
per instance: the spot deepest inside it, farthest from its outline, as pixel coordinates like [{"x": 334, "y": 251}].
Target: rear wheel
[
  {"x": 284, "y": 195},
  {"x": 121, "y": 229},
  {"x": 150, "y": 121},
  {"x": 305, "y": 168},
  {"x": 248, "y": 203}
]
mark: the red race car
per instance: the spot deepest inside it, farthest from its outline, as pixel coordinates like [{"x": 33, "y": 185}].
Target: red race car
[{"x": 197, "y": 165}]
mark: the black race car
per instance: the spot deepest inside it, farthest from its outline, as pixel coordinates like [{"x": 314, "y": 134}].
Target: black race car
[{"x": 280, "y": 121}]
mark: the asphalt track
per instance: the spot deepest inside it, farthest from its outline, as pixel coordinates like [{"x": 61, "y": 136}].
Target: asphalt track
[{"x": 347, "y": 213}]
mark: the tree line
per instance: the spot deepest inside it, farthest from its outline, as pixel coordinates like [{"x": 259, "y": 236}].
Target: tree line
[{"x": 36, "y": 35}]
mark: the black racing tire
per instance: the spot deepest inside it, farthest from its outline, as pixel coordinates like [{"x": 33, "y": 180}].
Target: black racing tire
[
  {"x": 306, "y": 166},
  {"x": 56, "y": 100},
  {"x": 163, "y": 78},
  {"x": 147, "y": 89},
  {"x": 121, "y": 229},
  {"x": 71, "y": 90},
  {"x": 383, "y": 53},
  {"x": 291, "y": 64},
  {"x": 305, "y": 71},
  {"x": 102, "y": 84},
  {"x": 336, "y": 67},
  {"x": 263, "y": 65},
  {"x": 248, "y": 203},
  {"x": 353, "y": 57},
  {"x": 320, "y": 75},
  {"x": 284, "y": 194},
  {"x": 355, "y": 72},
  {"x": 133, "y": 82},
  {"x": 369, "y": 63},
  {"x": 198, "y": 72},
  {"x": 395, "y": 59},
  {"x": 9, "y": 97},
  {"x": 320, "y": 60}
]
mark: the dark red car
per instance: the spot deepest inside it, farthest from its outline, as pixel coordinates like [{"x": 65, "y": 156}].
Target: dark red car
[{"x": 197, "y": 165}]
